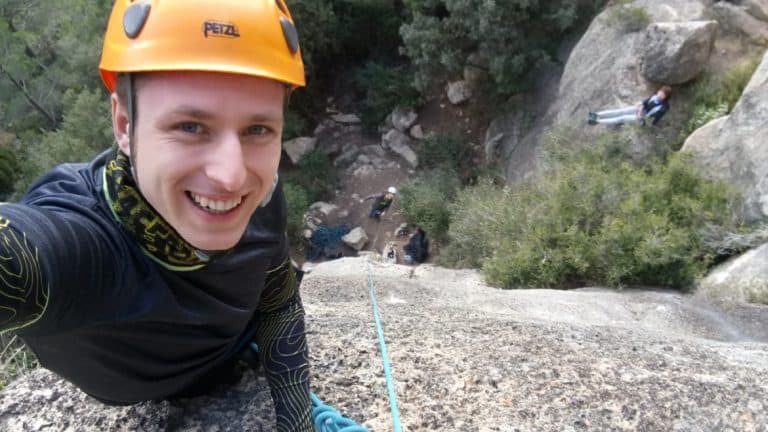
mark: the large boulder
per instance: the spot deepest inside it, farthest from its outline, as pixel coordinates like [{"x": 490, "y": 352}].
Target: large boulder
[
  {"x": 399, "y": 143},
  {"x": 356, "y": 239},
  {"x": 674, "y": 53},
  {"x": 323, "y": 207},
  {"x": 298, "y": 147},
  {"x": 458, "y": 92},
  {"x": 333, "y": 133},
  {"x": 743, "y": 279},
  {"x": 757, "y": 8},
  {"x": 733, "y": 148},
  {"x": 738, "y": 19},
  {"x": 403, "y": 118},
  {"x": 602, "y": 71}
]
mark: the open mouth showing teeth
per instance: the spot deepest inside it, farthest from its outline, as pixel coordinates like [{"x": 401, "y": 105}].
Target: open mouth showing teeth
[{"x": 213, "y": 206}]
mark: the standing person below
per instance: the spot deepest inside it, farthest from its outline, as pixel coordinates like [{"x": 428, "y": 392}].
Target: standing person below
[
  {"x": 145, "y": 273},
  {"x": 654, "y": 108},
  {"x": 381, "y": 202}
]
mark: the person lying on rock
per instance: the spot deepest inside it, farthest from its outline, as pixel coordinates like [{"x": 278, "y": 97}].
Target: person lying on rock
[
  {"x": 381, "y": 202},
  {"x": 654, "y": 107},
  {"x": 144, "y": 274}
]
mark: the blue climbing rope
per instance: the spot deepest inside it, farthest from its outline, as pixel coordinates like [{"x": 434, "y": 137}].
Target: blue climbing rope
[
  {"x": 385, "y": 357},
  {"x": 327, "y": 419}
]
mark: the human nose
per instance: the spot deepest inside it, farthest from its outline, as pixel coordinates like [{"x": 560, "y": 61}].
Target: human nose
[{"x": 226, "y": 165}]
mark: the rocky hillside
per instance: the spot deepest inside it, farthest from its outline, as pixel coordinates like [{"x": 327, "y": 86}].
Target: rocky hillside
[
  {"x": 467, "y": 357},
  {"x": 626, "y": 53}
]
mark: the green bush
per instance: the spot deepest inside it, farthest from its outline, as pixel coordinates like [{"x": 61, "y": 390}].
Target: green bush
[
  {"x": 594, "y": 218},
  {"x": 513, "y": 36},
  {"x": 384, "y": 88},
  {"x": 714, "y": 97},
  {"x": 445, "y": 152},
  {"x": 424, "y": 201},
  {"x": 8, "y": 171},
  {"x": 628, "y": 18},
  {"x": 298, "y": 203},
  {"x": 316, "y": 175},
  {"x": 85, "y": 131}
]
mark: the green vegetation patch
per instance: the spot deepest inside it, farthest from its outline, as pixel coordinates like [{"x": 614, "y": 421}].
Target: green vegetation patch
[
  {"x": 425, "y": 201},
  {"x": 714, "y": 97},
  {"x": 628, "y": 18},
  {"x": 593, "y": 218}
]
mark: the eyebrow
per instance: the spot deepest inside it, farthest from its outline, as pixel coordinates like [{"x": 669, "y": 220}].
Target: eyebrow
[{"x": 198, "y": 114}]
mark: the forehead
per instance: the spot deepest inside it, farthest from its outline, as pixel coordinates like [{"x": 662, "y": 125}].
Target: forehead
[{"x": 205, "y": 87}]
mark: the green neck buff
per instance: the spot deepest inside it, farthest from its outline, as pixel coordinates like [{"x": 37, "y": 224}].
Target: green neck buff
[{"x": 154, "y": 234}]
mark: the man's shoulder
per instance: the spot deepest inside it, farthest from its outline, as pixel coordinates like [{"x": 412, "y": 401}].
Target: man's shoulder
[
  {"x": 68, "y": 180},
  {"x": 68, "y": 184}
]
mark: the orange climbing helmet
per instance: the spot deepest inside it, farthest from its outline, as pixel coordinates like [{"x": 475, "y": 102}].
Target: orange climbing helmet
[{"x": 254, "y": 37}]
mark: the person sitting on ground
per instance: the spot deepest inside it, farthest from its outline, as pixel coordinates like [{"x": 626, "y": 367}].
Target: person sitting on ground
[
  {"x": 148, "y": 273},
  {"x": 654, "y": 107},
  {"x": 381, "y": 202},
  {"x": 417, "y": 249}
]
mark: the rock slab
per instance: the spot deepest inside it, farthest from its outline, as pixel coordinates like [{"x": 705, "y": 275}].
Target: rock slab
[{"x": 466, "y": 357}]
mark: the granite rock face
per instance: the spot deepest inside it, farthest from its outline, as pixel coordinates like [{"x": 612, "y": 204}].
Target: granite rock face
[
  {"x": 466, "y": 357},
  {"x": 733, "y": 149},
  {"x": 602, "y": 71},
  {"x": 674, "y": 53}
]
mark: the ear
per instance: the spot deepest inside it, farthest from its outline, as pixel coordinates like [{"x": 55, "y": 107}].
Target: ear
[{"x": 121, "y": 125}]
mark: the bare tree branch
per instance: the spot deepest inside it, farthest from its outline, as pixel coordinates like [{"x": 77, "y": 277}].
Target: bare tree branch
[{"x": 23, "y": 88}]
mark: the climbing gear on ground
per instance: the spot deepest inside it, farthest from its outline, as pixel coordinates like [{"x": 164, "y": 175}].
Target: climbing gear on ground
[
  {"x": 245, "y": 37},
  {"x": 326, "y": 242}
]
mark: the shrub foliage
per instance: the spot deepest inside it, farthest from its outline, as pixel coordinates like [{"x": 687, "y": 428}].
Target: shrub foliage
[
  {"x": 715, "y": 97},
  {"x": 425, "y": 200},
  {"x": 510, "y": 37},
  {"x": 595, "y": 218}
]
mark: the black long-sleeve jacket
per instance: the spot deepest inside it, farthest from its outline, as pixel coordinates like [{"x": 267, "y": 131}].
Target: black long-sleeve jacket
[{"x": 102, "y": 312}]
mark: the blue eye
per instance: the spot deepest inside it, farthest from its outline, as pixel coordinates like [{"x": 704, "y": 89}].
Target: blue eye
[
  {"x": 191, "y": 127},
  {"x": 257, "y": 130}
]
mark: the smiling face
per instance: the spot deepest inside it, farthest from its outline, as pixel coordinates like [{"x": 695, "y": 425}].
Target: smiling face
[{"x": 206, "y": 149}]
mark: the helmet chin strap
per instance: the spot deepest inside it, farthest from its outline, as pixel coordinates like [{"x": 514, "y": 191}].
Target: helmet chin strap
[{"x": 130, "y": 104}]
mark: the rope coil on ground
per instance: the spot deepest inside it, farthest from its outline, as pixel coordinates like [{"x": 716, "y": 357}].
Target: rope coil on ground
[{"x": 327, "y": 419}]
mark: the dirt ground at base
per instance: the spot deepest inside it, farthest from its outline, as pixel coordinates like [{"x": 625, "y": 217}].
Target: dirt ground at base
[{"x": 438, "y": 116}]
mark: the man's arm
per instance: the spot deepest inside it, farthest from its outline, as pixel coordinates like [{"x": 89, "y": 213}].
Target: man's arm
[
  {"x": 23, "y": 292},
  {"x": 282, "y": 345},
  {"x": 49, "y": 260}
]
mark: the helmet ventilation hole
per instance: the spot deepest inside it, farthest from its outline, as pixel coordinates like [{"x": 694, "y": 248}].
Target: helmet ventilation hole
[
  {"x": 134, "y": 19},
  {"x": 291, "y": 37}
]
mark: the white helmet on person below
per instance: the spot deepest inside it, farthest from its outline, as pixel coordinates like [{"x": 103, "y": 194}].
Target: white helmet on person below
[{"x": 392, "y": 190}]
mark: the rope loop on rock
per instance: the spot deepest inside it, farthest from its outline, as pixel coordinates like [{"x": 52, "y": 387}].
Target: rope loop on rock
[{"x": 327, "y": 419}]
